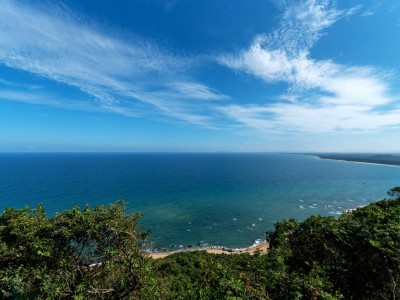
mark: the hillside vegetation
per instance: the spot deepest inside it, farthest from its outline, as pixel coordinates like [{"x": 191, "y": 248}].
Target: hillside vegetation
[{"x": 95, "y": 254}]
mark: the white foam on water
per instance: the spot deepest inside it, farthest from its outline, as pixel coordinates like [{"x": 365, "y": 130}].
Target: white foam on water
[{"x": 335, "y": 212}]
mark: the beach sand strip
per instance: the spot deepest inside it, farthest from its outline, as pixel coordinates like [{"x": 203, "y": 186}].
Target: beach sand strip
[{"x": 262, "y": 248}]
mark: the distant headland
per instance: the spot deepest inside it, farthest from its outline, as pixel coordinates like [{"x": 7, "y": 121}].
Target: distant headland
[{"x": 383, "y": 159}]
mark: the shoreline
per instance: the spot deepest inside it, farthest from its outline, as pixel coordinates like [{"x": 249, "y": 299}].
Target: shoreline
[
  {"x": 261, "y": 247},
  {"x": 358, "y": 161}
]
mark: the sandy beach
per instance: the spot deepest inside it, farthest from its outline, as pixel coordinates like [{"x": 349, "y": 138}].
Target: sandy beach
[{"x": 262, "y": 247}]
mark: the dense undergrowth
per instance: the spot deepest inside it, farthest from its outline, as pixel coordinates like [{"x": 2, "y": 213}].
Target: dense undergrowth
[{"x": 95, "y": 254}]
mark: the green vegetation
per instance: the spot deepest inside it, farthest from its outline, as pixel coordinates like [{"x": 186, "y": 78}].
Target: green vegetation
[
  {"x": 94, "y": 254},
  {"x": 78, "y": 253}
]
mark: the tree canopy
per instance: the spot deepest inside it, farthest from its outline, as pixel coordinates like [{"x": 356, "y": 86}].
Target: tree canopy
[
  {"x": 89, "y": 253},
  {"x": 96, "y": 254}
]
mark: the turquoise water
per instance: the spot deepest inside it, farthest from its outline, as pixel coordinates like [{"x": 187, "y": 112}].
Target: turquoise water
[{"x": 196, "y": 199}]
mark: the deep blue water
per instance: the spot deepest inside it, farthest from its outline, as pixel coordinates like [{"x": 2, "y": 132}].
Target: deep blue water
[{"x": 216, "y": 199}]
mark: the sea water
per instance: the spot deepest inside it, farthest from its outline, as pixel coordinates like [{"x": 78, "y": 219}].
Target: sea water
[{"x": 222, "y": 199}]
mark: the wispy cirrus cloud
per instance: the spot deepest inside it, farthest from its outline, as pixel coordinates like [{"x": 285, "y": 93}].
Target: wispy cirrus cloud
[
  {"x": 121, "y": 74},
  {"x": 132, "y": 76},
  {"x": 294, "y": 118},
  {"x": 41, "y": 98},
  {"x": 323, "y": 96},
  {"x": 371, "y": 10}
]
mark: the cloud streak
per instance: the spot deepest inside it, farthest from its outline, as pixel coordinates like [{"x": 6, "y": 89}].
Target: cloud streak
[
  {"x": 132, "y": 76},
  {"x": 122, "y": 75},
  {"x": 323, "y": 96}
]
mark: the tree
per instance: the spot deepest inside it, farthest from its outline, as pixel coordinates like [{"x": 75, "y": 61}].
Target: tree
[{"x": 81, "y": 254}]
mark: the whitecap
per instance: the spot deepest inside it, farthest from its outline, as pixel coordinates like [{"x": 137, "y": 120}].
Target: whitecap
[
  {"x": 260, "y": 219},
  {"x": 312, "y": 206},
  {"x": 302, "y": 207}
]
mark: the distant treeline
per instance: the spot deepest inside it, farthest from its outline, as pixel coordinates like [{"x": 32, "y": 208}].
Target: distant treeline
[
  {"x": 384, "y": 159},
  {"x": 95, "y": 254}
]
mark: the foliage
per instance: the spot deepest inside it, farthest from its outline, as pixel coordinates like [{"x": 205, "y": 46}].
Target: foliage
[
  {"x": 84, "y": 254},
  {"x": 77, "y": 254},
  {"x": 356, "y": 256},
  {"x": 200, "y": 275}
]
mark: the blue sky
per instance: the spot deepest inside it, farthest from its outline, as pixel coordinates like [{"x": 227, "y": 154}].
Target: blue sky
[{"x": 212, "y": 75}]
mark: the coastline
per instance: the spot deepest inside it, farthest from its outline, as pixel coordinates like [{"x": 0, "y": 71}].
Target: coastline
[
  {"x": 261, "y": 247},
  {"x": 257, "y": 247},
  {"x": 351, "y": 160}
]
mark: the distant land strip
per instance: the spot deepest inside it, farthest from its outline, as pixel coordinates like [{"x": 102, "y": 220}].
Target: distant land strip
[{"x": 383, "y": 159}]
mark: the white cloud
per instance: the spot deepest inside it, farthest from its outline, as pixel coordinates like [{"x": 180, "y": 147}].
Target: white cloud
[
  {"x": 370, "y": 11},
  {"x": 367, "y": 13},
  {"x": 324, "y": 96},
  {"x": 122, "y": 74},
  {"x": 195, "y": 91},
  {"x": 26, "y": 95},
  {"x": 312, "y": 119},
  {"x": 132, "y": 76},
  {"x": 302, "y": 24}
]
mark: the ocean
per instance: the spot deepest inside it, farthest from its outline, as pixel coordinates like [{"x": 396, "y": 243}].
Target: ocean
[{"x": 218, "y": 199}]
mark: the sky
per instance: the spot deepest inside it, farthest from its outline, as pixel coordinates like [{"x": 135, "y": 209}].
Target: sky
[{"x": 200, "y": 76}]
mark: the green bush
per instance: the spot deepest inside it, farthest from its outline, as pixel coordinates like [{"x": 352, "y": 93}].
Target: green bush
[
  {"x": 95, "y": 254},
  {"x": 78, "y": 254}
]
